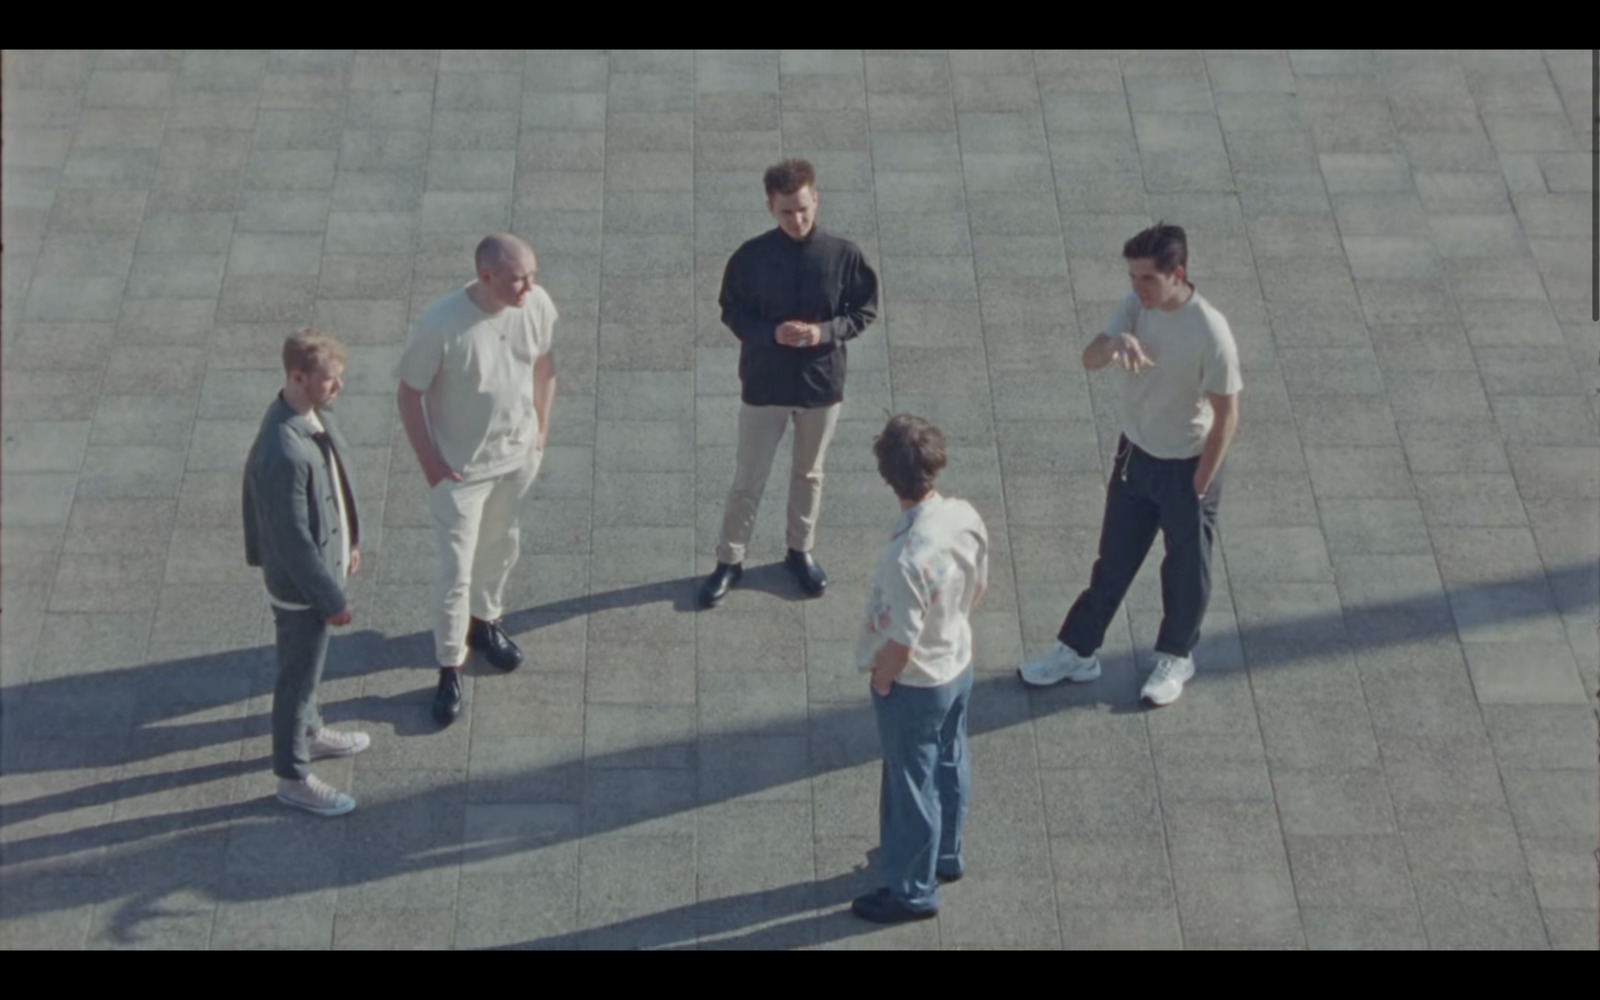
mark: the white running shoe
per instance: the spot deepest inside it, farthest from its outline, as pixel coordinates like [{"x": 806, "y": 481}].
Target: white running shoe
[
  {"x": 1167, "y": 679},
  {"x": 314, "y": 796},
  {"x": 1060, "y": 664},
  {"x": 333, "y": 743}
]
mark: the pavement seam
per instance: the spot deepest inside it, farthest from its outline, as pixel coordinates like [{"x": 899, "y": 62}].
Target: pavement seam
[
  {"x": 580, "y": 933},
  {"x": 1055, "y": 193},
  {"x": 1123, "y": 614},
  {"x": 1277, "y": 806}
]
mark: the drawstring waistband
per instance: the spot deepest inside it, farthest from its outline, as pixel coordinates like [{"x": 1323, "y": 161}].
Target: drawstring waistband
[{"x": 1126, "y": 448}]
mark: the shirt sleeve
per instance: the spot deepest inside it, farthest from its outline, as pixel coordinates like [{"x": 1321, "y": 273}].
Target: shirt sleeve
[
  {"x": 905, "y": 591},
  {"x": 1220, "y": 374},
  {"x": 739, "y": 312},
  {"x": 982, "y": 560},
  {"x": 544, "y": 325},
  {"x": 1123, "y": 320},
  {"x": 423, "y": 357},
  {"x": 858, "y": 305}
]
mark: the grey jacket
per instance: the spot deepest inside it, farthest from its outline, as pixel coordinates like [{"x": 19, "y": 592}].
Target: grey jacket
[{"x": 291, "y": 520}]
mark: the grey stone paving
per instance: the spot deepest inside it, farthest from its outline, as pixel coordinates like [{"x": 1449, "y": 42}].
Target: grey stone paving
[{"x": 1392, "y": 739}]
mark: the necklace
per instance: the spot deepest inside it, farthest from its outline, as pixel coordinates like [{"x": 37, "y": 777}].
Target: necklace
[
  {"x": 504, "y": 324},
  {"x": 499, "y": 322}
]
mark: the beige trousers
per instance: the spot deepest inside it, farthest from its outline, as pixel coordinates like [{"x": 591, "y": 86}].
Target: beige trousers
[
  {"x": 476, "y": 538},
  {"x": 761, "y": 428}
]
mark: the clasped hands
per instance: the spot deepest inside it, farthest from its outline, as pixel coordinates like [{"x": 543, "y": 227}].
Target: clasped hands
[{"x": 794, "y": 333}]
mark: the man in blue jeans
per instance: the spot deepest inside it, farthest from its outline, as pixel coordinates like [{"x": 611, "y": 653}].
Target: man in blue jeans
[{"x": 917, "y": 645}]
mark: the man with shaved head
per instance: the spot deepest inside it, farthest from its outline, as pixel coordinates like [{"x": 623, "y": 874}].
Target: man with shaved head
[{"x": 477, "y": 380}]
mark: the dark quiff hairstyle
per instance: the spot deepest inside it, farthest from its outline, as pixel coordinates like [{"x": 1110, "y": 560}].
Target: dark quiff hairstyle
[
  {"x": 910, "y": 454},
  {"x": 1167, "y": 246},
  {"x": 789, "y": 176}
]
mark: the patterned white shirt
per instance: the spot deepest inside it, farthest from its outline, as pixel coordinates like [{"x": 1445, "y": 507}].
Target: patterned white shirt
[{"x": 922, "y": 593}]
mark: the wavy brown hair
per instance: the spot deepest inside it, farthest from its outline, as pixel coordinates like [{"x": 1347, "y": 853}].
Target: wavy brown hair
[{"x": 910, "y": 455}]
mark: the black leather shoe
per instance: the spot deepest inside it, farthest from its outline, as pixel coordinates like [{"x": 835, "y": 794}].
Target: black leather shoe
[
  {"x": 716, "y": 586},
  {"x": 812, "y": 579},
  {"x": 497, "y": 647},
  {"x": 447, "y": 700},
  {"x": 947, "y": 879},
  {"x": 881, "y": 907}
]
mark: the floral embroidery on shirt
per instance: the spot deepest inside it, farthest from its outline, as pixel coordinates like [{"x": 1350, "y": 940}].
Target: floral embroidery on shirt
[{"x": 935, "y": 560}]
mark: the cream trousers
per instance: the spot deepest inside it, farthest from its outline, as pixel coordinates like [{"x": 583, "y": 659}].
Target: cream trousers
[
  {"x": 476, "y": 539},
  {"x": 761, "y": 428}
]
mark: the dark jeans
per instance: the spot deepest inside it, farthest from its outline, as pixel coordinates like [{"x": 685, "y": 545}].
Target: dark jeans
[
  {"x": 922, "y": 802},
  {"x": 302, "y": 651},
  {"x": 1146, "y": 495}
]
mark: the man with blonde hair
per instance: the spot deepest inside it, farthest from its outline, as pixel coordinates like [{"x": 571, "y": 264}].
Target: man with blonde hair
[
  {"x": 477, "y": 381},
  {"x": 302, "y": 528}
]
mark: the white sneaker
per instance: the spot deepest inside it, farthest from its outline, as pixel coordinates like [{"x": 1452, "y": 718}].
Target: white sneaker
[
  {"x": 1060, "y": 664},
  {"x": 1167, "y": 679},
  {"x": 314, "y": 796},
  {"x": 332, "y": 743}
]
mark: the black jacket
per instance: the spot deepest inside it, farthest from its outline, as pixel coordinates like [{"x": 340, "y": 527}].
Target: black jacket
[{"x": 772, "y": 279}]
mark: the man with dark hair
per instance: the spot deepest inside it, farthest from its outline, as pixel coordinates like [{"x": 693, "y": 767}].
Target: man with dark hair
[
  {"x": 793, "y": 296},
  {"x": 1180, "y": 408},
  {"x": 302, "y": 528},
  {"x": 917, "y": 645}
]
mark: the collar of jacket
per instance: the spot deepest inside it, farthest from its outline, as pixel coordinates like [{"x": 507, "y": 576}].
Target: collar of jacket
[
  {"x": 816, "y": 230},
  {"x": 909, "y": 517},
  {"x": 284, "y": 413}
]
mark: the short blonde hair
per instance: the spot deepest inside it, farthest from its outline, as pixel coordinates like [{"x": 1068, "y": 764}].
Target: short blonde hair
[{"x": 308, "y": 350}]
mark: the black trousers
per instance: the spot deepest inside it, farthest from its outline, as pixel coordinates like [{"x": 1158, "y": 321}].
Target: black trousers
[{"x": 1146, "y": 495}]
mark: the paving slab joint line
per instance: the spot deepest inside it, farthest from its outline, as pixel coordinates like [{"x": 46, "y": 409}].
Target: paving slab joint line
[
  {"x": 1044, "y": 127},
  {"x": 1405, "y": 457}
]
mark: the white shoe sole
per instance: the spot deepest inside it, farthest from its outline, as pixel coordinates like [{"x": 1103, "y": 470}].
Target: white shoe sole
[
  {"x": 331, "y": 754},
  {"x": 1080, "y": 677},
  {"x": 1149, "y": 696},
  {"x": 318, "y": 811}
]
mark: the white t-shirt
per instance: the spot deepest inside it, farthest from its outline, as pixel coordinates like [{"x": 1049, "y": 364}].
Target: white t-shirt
[
  {"x": 1164, "y": 409},
  {"x": 475, "y": 371},
  {"x": 923, "y": 589},
  {"x": 337, "y": 480}
]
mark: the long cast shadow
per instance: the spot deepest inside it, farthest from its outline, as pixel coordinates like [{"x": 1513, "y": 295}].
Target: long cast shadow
[
  {"x": 142, "y": 859},
  {"x": 788, "y": 916}
]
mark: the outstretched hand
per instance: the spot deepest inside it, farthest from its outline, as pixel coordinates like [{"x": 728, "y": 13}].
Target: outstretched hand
[{"x": 1127, "y": 352}]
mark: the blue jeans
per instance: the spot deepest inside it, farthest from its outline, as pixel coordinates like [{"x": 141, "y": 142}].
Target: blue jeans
[{"x": 926, "y": 782}]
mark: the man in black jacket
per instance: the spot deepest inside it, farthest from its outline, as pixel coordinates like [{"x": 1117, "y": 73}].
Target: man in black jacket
[{"x": 793, "y": 296}]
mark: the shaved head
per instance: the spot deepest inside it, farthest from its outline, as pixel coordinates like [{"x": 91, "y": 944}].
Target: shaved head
[
  {"x": 500, "y": 251},
  {"x": 507, "y": 271}
]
